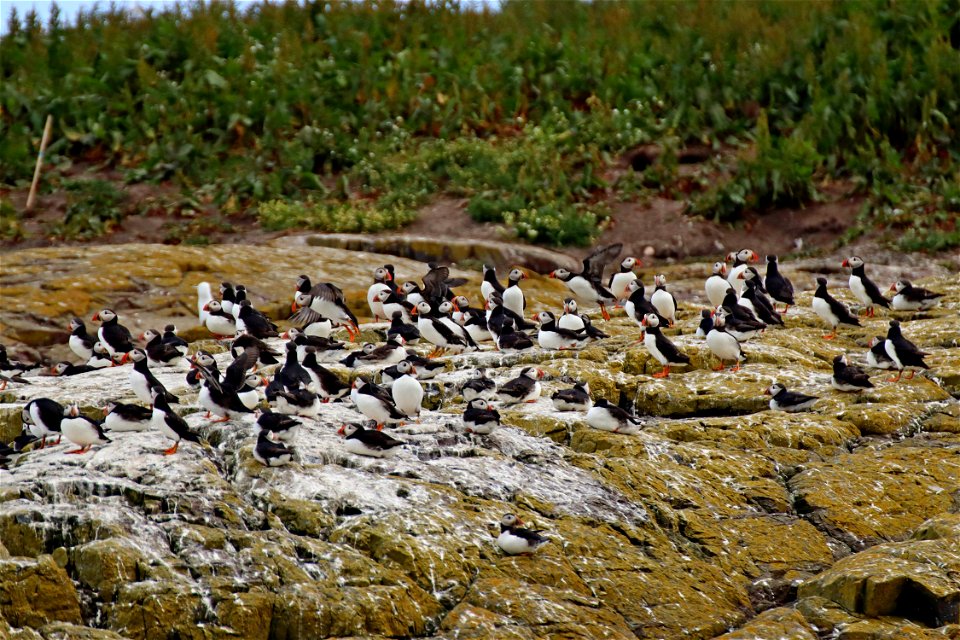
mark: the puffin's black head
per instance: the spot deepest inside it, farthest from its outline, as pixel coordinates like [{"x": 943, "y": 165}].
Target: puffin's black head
[
  {"x": 75, "y": 324},
  {"x": 772, "y": 258},
  {"x": 705, "y": 313},
  {"x": 303, "y": 284},
  {"x": 821, "y": 281}
]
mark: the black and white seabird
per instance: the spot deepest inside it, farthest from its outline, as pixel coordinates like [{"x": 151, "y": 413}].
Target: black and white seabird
[
  {"x": 69, "y": 369},
  {"x": 620, "y": 280},
  {"x": 607, "y": 417},
  {"x": 221, "y": 398},
  {"x": 637, "y": 306},
  {"x": 119, "y": 416},
  {"x": 903, "y": 353},
  {"x": 43, "y": 418},
  {"x": 660, "y": 347},
  {"x": 911, "y": 298},
  {"x": 847, "y": 377},
  {"x": 282, "y": 426},
  {"x": 400, "y": 329},
  {"x": 368, "y": 441},
  {"x": 722, "y": 343},
  {"x": 81, "y": 343},
  {"x": 158, "y": 352},
  {"x": 706, "y": 323},
  {"x": 761, "y": 304},
  {"x": 479, "y": 386},
  {"x": 270, "y": 453},
  {"x": 81, "y": 430},
  {"x": 256, "y": 349},
  {"x": 294, "y": 402},
  {"x": 220, "y": 323},
  {"x": 101, "y": 358},
  {"x": 434, "y": 330},
  {"x": 513, "y": 295},
  {"x": 789, "y": 401},
  {"x": 552, "y": 338},
  {"x": 255, "y": 323},
  {"x": 576, "y": 398},
  {"x": 381, "y": 278},
  {"x": 777, "y": 285},
  {"x": 663, "y": 300},
  {"x": 168, "y": 423},
  {"x": 352, "y": 358},
  {"x": 587, "y": 285},
  {"x": 480, "y": 417},
  {"x": 376, "y": 403},
  {"x": 830, "y": 310},
  {"x": 877, "y": 357},
  {"x": 515, "y": 540},
  {"x": 390, "y": 352},
  {"x": 142, "y": 379},
  {"x": 407, "y": 391},
  {"x": 863, "y": 288},
  {"x": 716, "y": 285},
  {"x": 510, "y": 339},
  {"x": 490, "y": 282},
  {"x": 324, "y": 300},
  {"x": 741, "y": 260},
  {"x": 170, "y": 337},
  {"x": 426, "y": 369},
  {"x": 292, "y": 375},
  {"x": 523, "y": 388},
  {"x": 328, "y": 384},
  {"x": 114, "y": 336},
  {"x": 392, "y": 304},
  {"x": 570, "y": 319}
]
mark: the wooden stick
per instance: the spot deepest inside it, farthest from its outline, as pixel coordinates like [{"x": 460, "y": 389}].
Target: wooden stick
[{"x": 47, "y": 130}]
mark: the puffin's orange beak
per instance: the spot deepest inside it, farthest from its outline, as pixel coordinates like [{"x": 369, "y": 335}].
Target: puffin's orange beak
[
  {"x": 413, "y": 369},
  {"x": 753, "y": 256},
  {"x": 264, "y": 381},
  {"x": 342, "y": 430},
  {"x": 723, "y": 270},
  {"x": 893, "y": 287},
  {"x": 523, "y": 276},
  {"x": 140, "y": 337},
  {"x": 740, "y": 276},
  {"x": 285, "y": 335},
  {"x": 845, "y": 263},
  {"x": 96, "y": 317},
  {"x": 294, "y": 307},
  {"x": 643, "y": 322},
  {"x": 126, "y": 358},
  {"x": 519, "y": 521},
  {"x": 455, "y": 307},
  {"x": 553, "y": 274},
  {"x": 206, "y": 307},
  {"x": 766, "y": 392},
  {"x": 388, "y": 277},
  {"x": 413, "y": 311}
]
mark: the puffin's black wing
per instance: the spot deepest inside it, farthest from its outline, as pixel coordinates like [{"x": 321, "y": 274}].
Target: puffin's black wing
[
  {"x": 779, "y": 288},
  {"x": 594, "y": 264},
  {"x": 376, "y": 439},
  {"x": 873, "y": 291},
  {"x": 670, "y": 350},
  {"x": 840, "y": 310},
  {"x": 235, "y": 373},
  {"x": 852, "y": 375}
]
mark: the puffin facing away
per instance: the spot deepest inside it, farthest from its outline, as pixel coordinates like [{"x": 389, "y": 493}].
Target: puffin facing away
[
  {"x": 523, "y": 388},
  {"x": 847, "y": 377},
  {"x": 515, "y": 540},
  {"x": 777, "y": 285}
]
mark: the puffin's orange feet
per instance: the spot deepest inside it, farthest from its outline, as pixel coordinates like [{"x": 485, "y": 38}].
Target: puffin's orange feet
[
  {"x": 896, "y": 378},
  {"x": 662, "y": 374},
  {"x": 830, "y": 336},
  {"x": 223, "y": 419},
  {"x": 736, "y": 368},
  {"x": 80, "y": 450},
  {"x": 606, "y": 314},
  {"x": 172, "y": 450},
  {"x": 910, "y": 377}
]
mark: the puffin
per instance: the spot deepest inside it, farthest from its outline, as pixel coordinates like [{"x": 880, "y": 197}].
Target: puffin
[
  {"x": 741, "y": 260},
  {"x": 220, "y": 323},
  {"x": 590, "y": 330},
  {"x": 716, "y": 285},
  {"x": 170, "y": 337},
  {"x": 663, "y": 300},
  {"x": 761, "y": 304},
  {"x": 479, "y": 386},
  {"x": 351, "y": 359},
  {"x": 412, "y": 293},
  {"x": 434, "y": 330},
  {"x": 490, "y": 282},
  {"x": 552, "y": 338},
  {"x": 114, "y": 336},
  {"x": 256, "y": 349},
  {"x": 248, "y": 392},
  {"x": 205, "y": 360},
  {"x": 283, "y": 427},
  {"x": 619, "y": 280},
  {"x": 81, "y": 343},
  {"x": 660, "y": 347},
  {"x": 158, "y": 352},
  {"x": 270, "y": 453},
  {"x": 587, "y": 285},
  {"x": 392, "y": 304},
  {"x": 407, "y": 391},
  {"x": 381, "y": 276},
  {"x": 740, "y": 329},
  {"x": 320, "y": 328},
  {"x": 324, "y": 300},
  {"x": 501, "y": 322},
  {"x": 863, "y": 288},
  {"x": 292, "y": 375},
  {"x": 221, "y": 398},
  {"x": 445, "y": 312},
  {"x": 513, "y": 295},
  {"x": 607, "y": 417},
  {"x": 366, "y": 441},
  {"x": 43, "y": 418},
  {"x": 118, "y": 416},
  {"x": 789, "y": 401},
  {"x": 637, "y": 306},
  {"x": 831, "y": 310},
  {"x": 723, "y": 344},
  {"x": 515, "y": 540},
  {"x": 706, "y": 323},
  {"x": 523, "y": 388},
  {"x": 511, "y": 340},
  {"x": 81, "y": 430},
  {"x": 474, "y": 322},
  {"x": 911, "y": 298},
  {"x": 329, "y": 386},
  {"x": 255, "y": 323},
  {"x": 847, "y": 377},
  {"x": 461, "y": 307},
  {"x": 480, "y": 417},
  {"x": 390, "y": 352},
  {"x": 426, "y": 369},
  {"x": 400, "y": 329},
  {"x": 228, "y": 299},
  {"x": 570, "y": 319},
  {"x": 777, "y": 285},
  {"x": 576, "y": 398},
  {"x": 142, "y": 379},
  {"x": 168, "y": 423},
  {"x": 902, "y": 352},
  {"x": 294, "y": 402},
  {"x": 877, "y": 357},
  {"x": 438, "y": 285},
  {"x": 101, "y": 357},
  {"x": 740, "y": 311},
  {"x": 376, "y": 403},
  {"x": 68, "y": 369}
]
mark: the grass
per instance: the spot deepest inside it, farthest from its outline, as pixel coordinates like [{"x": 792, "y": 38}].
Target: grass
[{"x": 350, "y": 115}]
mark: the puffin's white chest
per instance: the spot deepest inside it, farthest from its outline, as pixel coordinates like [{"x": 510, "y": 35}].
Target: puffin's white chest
[
  {"x": 650, "y": 342},
  {"x": 407, "y": 395},
  {"x": 513, "y": 299},
  {"x": 901, "y": 303},
  {"x": 514, "y": 545},
  {"x": 822, "y": 308},
  {"x": 891, "y": 350},
  {"x": 221, "y": 325},
  {"x": 77, "y": 346},
  {"x": 860, "y": 291},
  {"x": 583, "y": 289},
  {"x": 552, "y": 340},
  {"x": 79, "y": 432},
  {"x": 663, "y": 302},
  {"x": 376, "y": 307},
  {"x": 723, "y": 345},
  {"x": 160, "y": 424},
  {"x": 620, "y": 282},
  {"x": 571, "y": 321},
  {"x": 354, "y": 445},
  {"x": 138, "y": 382},
  {"x": 733, "y": 278},
  {"x": 716, "y": 288}
]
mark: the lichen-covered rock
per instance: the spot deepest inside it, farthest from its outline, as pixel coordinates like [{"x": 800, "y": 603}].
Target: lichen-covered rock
[
  {"x": 104, "y": 565},
  {"x": 781, "y": 623},
  {"x": 34, "y": 592}
]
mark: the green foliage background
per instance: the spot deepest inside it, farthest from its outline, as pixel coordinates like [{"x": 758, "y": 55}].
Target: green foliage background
[{"x": 350, "y": 115}]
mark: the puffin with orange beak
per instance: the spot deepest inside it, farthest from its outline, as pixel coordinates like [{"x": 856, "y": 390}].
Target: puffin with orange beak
[
  {"x": 114, "y": 336},
  {"x": 324, "y": 300},
  {"x": 220, "y": 323},
  {"x": 587, "y": 285}
]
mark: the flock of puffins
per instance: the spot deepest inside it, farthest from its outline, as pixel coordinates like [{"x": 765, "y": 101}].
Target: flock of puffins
[{"x": 743, "y": 305}]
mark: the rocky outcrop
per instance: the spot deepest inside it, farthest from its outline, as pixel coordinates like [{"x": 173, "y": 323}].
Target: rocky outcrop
[{"x": 720, "y": 518}]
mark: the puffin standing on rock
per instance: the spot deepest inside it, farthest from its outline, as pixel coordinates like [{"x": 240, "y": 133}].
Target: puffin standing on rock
[
  {"x": 903, "y": 353},
  {"x": 620, "y": 280},
  {"x": 515, "y": 540},
  {"x": 81, "y": 343},
  {"x": 81, "y": 430},
  {"x": 865, "y": 290},
  {"x": 660, "y": 347},
  {"x": 607, "y": 417},
  {"x": 587, "y": 284},
  {"x": 114, "y": 336},
  {"x": 480, "y": 417},
  {"x": 830, "y": 310},
  {"x": 220, "y": 323},
  {"x": 43, "y": 418},
  {"x": 169, "y": 423},
  {"x": 777, "y": 285}
]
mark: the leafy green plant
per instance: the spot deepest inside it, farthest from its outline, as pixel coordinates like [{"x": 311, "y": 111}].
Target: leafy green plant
[
  {"x": 10, "y": 224},
  {"x": 349, "y": 217},
  {"x": 94, "y": 207}
]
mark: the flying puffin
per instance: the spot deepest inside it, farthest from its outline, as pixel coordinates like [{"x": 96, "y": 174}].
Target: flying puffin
[
  {"x": 43, "y": 418},
  {"x": 607, "y": 417},
  {"x": 81, "y": 343},
  {"x": 490, "y": 282},
  {"x": 376, "y": 403},
  {"x": 478, "y": 386},
  {"x": 716, "y": 285},
  {"x": 515, "y": 540},
  {"x": 865, "y": 289},
  {"x": 902, "y": 352},
  {"x": 220, "y": 323},
  {"x": 576, "y": 398},
  {"x": 142, "y": 379},
  {"x": 158, "y": 352},
  {"x": 663, "y": 300},
  {"x": 723, "y": 344},
  {"x": 552, "y": 337},
  {"x": 114, "y": 336},
  {"x": 407, "y": 392},
  {"x": 270, "y": 453},
  {"x": 620, "y": 279},
  {"x": 789, "y": 401},
  {"x": 660, "y": 347},
  {"x": 587, "y": 285},
  {"x": 777, "y": 285},
  {"x": 831, "y": 310},
  {"x": 480, "y": 417},
  {"x": 369, "y": 442},
  {"x": 168, "y": 423},
  {"x": 847, "y": 377},
  {"x": 911, "y": 298},
  {"x": 523, "y": 388},
  {"x": 438, "y": 285},
  {"x": 284, "y": 427},
  {"x": 741, "y": 260},
  {"x": 81, "y": 430},
  {"x": 118, "y": 416},
  {"x": 324, "y": 300},
  {"x": 513, "y": 295}
]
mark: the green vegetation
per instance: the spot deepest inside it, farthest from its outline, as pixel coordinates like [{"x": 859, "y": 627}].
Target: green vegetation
[{"x": 350, "y": 115}]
